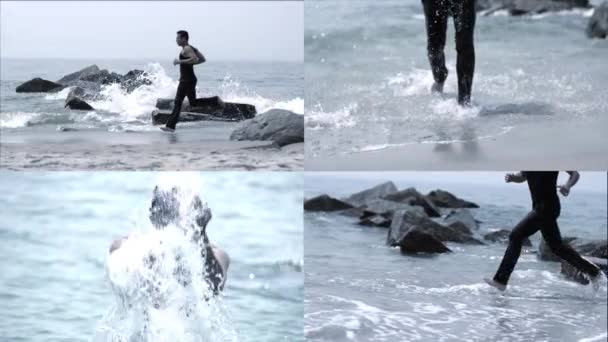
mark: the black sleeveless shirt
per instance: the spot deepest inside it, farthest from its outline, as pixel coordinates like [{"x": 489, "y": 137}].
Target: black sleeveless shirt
[
  {"x": 186, "y": 71},
  {"x": 543, "y": 189}
]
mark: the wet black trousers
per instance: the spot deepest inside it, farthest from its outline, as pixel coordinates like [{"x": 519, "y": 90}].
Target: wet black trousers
[
  {"x": 437, "y": 13},
  {"x": 184, "y": 89},
  {"x": 547, "y": 224}
]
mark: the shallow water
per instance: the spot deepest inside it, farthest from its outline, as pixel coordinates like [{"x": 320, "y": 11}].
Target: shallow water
[
  {"x": 57, "y": 227},
  {"x": 367, "y": 78},
  {"x": 357, "y": 289},
  {"x": 265, "y": 85}
]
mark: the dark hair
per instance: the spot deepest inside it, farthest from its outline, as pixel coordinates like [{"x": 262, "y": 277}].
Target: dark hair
[{"x": 183, "y": 34}]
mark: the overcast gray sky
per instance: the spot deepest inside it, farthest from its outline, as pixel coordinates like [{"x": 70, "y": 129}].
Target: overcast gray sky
[{"x": 146, "y": 29}]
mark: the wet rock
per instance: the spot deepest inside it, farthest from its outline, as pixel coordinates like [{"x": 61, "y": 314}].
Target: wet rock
[
  {"x": 375, "y": 221},
  {"x": 502, "y": 236},
  {"x": 102, "y": 77},
  {"x": 416, "y": 241},
  {"x": 38, "y": 85},
  {"x": 594, "y": 248},
  {"x": 378, "y": 191},
  {"x": 280, "y": 126},
  {"x": 598, "y": 23},
  {"x": 412, "y": 197},
  {"x": 463, "y": 216},
  {"x": 544, "y": 252},
  {"x": 76, "y": 103},
  {"x": 572, "y": 273},
  {"x": 404, "y": 220},
  {"x": 381, "y": 206},
  {"x": 522, "y": 7},
  {"x": 325, "y": 203},
  {"x": 213, "y": 105},
  {"x": 134, "y": 79},
  {"x": 444, "y": 199},
  {"x": 79, "y": 75}
]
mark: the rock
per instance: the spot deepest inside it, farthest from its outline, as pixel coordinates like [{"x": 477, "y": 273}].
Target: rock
[
  {"x": 134, "y": 79},
  {"x": 102, "y": 77},
  {"x": 598, "y": 23},
  {"x": 572, "y": 273},
  {"x": 378, "y": 191},
  {"x": 502, "y": 235},
  {"x": 280, "y": 126},
  {"x": 376, "y": 221},
  {"x": 382, "y": 206},
  {"x": 79, "y": 75},
  {"x": 353, "y": 212},
  {"x": 404, "y": 220},
  {"x": 463, "y": 216},
  {"x": 160, "y": 117},
  {"x": 416, "y": 241},
  {"x": 444, "y": 199},
  {"x": 38, "y": 85},
  {"x": 325, "y": 203},
  {"x": 412, "y": 197},
  {"x": 213, "y": 105},
  {"x": 521, "y": 7},
  {"x": 594, "y": 248},
  {"x": 76, "y": 103}
]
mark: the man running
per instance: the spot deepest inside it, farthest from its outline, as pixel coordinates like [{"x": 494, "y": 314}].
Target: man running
[
  {"x": 545, "y": 211},
  {"x": 188, "y": 57},
  {"x": 436, "y": 13}
]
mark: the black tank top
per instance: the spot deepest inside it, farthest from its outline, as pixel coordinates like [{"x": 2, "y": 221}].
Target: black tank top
[
  {"x": 543, "y": 189},
  {"x": 186, "y": 71}
]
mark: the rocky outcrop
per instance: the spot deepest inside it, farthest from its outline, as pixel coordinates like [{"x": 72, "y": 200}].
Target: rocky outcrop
[
  {"x": 598, "y": 23},
  {"x": 594, "y": 248},
  {"x": 572, "y": 273},
  {"x": 325, "y": 203},
  {"x": 522, "y": 7},
  {"x": 280, "y": 126},
  {"x": 38, "y": 85},
  {"x": 79, "y": 75},
  {"x": 382, "y": 206},
  {"x": 415, "y": 241},
  {"x": 502, "y": 236},
  {"x": 209, "y": 105},
  {"x": 411, "y": 196},
  {"x": 444, "y": 199},
  {"x": 378, "y": 191},
  {"x": 76, "y": 103},
  {"x": 404, "y": 220},
  {"x": 462, "y": 216},
  {"x": 381, "y": 221}
]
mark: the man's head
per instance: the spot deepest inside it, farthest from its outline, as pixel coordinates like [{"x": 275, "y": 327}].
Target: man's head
[
  {"x": 182, "y": 38},
  {"x": 166, "y": 208}
]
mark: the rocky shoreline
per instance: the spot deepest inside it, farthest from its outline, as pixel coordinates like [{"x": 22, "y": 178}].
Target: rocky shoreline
[{"x": 424, "y": 224}]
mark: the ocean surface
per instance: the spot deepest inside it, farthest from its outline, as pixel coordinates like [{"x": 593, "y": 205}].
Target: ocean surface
[
  {"x": 358, "y": 289},
  {"x": 35, "y": 118},
  {"x": 368, "y": 80},
  {"x": 56, "y": 229}
]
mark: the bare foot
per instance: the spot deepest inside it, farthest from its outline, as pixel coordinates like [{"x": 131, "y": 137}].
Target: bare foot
[{"x": 495, "y": 284}]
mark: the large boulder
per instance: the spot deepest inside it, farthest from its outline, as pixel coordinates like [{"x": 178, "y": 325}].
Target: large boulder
[
  {"x": 445, "y": 199},
  {"x": 280, "y": 126},
  {"x": 411, "y": 196},
  {"x": 463, "y": 216},
  {"x": 378, "y": 191},
  {"x": 598, "y": 23},
  {"x": 521, "y": 7},
  {"x": 416, "y": 241},
  {"x": 212, "y": 105},
  {"x": 404, "y": 221},
  {"x": 325, "y": 203},
  {"x": 79, "y": 75},
  {"x": 502, "y": 236},
  {"x": 594, "y": 248},
  {"x": 382, "y": 206},
  {"x": 76, "y": 103},
  {"x": 38, "y": 85},
  {"x": 134, "y": 79},
  {"x": 572, "y": 273},
  {"x": 102, "y": 77},
  {"x": 381, "y": 221}
]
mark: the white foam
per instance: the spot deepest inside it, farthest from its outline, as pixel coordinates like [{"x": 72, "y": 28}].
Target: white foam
[
  {"x": 60, "y": 95},
  {"x": 317, "y": 118},
  {"x": 17, "y": 119},
  {"x": 600, "y": 337}
]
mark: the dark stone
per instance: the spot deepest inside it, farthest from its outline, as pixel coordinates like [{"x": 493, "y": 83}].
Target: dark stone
[
  {"x": 572, "y": 273},
  {"x": 79, "y": 75},
  {"x": 38, "y": 85},
  {"x": 376, "y": 221},
  {"x": 503, "y": 237},
  {"x": 463, "y": 216},
  {"x": 76, "y": 103},
  {"x": 412, "y": 197},
  {"x": 594, "y": 248},
  {"x": 416, "y": 241},
  {"x": 102, "y": 77},
  {"x": 378, "y": 191},
  {"x": 522, "y": 7},
  {"x": 209, "y": 105},
  {"x": 445, "y": 199},
  {"x": 325, "y": 203},
  {"x": 280, "y": 126},
  {"x": 598, "y": 23},
  {"x": 404, "y": 220},
  {"x": 381, "y": 206},
  {"x": 134, "y": 79}
]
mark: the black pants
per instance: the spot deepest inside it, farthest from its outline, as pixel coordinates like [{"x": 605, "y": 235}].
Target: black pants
[
  {"x": 437, "y": 13},
  {"x": 184, "y": 89},
  {"x": 547, "y": 223}
]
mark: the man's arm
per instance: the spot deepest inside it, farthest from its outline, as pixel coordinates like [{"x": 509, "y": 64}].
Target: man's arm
[
  {"x": 572, "y": 180},
  {"x": 517, "y": 177},
  {"x": 192, "y": 57}
]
